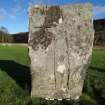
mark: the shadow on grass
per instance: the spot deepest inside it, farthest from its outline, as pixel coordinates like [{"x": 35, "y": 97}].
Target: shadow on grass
[
  {"x": 20, "y": 73},
  {"x": 97, "y": 68}
]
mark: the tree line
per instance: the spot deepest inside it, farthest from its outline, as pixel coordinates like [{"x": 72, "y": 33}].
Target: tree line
[
  {"x": 4, "y": 36},
  {"x": 22, "y": 37}
]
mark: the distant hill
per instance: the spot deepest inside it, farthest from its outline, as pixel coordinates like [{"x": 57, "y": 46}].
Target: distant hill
[
  {"x": 99, "y": 26},
  {"x": 21, "y": 37}
]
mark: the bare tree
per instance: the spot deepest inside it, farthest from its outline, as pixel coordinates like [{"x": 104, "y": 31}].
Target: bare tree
[
  {"x": 4, "y": 30},
  {"x": 4, "y": 35}
]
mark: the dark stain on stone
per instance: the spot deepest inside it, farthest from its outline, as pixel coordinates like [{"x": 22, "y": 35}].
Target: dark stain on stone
[
  {"x": 79, "y": 14},
  {"x": 43, "y": 38},
  {"x": 52, "y": 15},
  {"x": 79, "y": 27},
  {"x": 61, "y": 58}
]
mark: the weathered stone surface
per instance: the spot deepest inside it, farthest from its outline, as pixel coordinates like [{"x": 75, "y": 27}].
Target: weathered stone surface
[{"x": 60, "y": 48}]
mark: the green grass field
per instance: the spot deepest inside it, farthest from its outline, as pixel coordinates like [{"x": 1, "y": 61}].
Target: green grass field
[{"x": 15, "y": 79}]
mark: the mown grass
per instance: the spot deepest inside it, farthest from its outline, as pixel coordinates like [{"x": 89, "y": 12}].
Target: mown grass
[
  {"x": 14, "y": 74},
  {"x": 17, "y": 53},
  {"x": 15, "y": 80}
]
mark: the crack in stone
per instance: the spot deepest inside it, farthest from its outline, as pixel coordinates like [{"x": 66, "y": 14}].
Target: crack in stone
[{"x": 67, "y": 44}]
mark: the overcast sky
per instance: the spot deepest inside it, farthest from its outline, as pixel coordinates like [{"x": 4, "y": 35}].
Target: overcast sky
[{"x": 14, "y": 15}]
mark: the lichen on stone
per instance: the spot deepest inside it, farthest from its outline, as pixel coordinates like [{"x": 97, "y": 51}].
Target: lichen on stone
[
  {"x": 43, "y": 37},
  {"x": 53, "y": 14}
]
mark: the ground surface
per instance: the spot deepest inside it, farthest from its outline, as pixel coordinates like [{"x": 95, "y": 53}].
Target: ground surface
[{"x": 15, "y": 81}]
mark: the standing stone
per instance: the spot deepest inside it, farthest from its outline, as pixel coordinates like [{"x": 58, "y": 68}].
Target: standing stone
[{"x": 60, "y": 48}]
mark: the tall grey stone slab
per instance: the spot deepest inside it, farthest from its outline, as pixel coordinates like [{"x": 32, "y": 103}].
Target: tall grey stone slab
[{"x": 60, "y": 48}]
